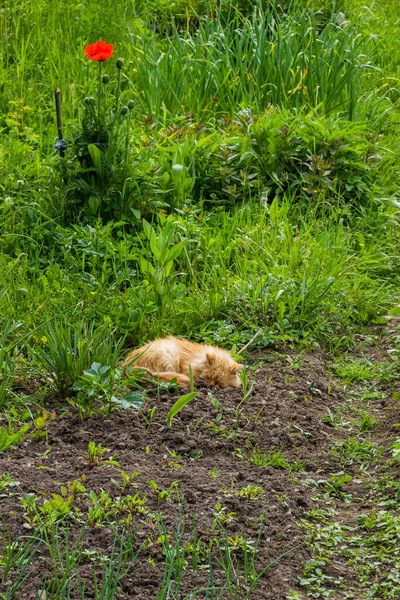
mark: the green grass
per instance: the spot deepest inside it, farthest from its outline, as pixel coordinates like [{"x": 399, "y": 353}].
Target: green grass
[
  {"x": 249, "y": 65},
  {"x": 239, "y": 62},
  {"x": 354, "y": 450},
  {"x": 312, "y": 265},
  {"x": 367, "y": 422},
  {"x": 307, "y": 284},
  {"x": 368, "y": 546},
  {"x": 352, "y": 370},
  {"x": 262, "y": 458},
  {"x": 372, "y": 18}
]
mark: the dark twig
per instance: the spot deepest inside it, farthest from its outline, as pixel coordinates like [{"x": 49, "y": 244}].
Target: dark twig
[
  {"x": 61, "y": 145},
  {"x": 57, "y": 95},
  {"x": 248, "y": 343}
]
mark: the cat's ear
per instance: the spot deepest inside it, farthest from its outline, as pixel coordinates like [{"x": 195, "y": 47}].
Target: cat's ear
[
  {"x": 210, "y": 358},
  {"x": 236, "y": 367}
]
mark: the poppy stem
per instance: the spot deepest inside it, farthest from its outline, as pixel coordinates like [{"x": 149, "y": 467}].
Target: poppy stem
[
  {"x": 117, "y": 113},
  {"x": 127, "y": 138},
  {"x": 99, "y": 94},
  {"x": 118, "y": 89}
]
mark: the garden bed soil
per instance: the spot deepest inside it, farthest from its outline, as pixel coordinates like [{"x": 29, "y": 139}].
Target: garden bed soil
[{"x": 285, "y": 411}]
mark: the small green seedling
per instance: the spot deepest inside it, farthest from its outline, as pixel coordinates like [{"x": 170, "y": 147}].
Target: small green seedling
[
  {"x": 367, "y": 422},
  {"x": 150, "y": 415},
  {"x": 239, "y": 543},
  {"x": 214, "y": 401},
  {"x": 127, "y": 482},
  {"x": 251, "y": 491},
  {"x": 102, "y": 508},
  {"x": 221, "y": 518},
  {"x": 395, "y": 447},
  {"x": 56, "y": 508},
  {"x": 273, "y": 458},
  {"x": 183, "y": 400},
  {"x": 334, "y": 487},
  {"x": 94, "y": 456},
  {"x": 76, "y": 487},
  {"x": 42, "y": 423},
  {"x": 244, "y": 378},
  {"x": 166, "y": 494}
]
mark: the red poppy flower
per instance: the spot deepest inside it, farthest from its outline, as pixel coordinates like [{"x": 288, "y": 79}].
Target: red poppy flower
[{"x": 99, "y": 51}]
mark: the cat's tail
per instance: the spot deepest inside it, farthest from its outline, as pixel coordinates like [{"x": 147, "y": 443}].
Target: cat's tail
[
  {"x": 166, "y": 376},
  {"x": 181, "y": 380},
  {"x": 134, "y": 356}
]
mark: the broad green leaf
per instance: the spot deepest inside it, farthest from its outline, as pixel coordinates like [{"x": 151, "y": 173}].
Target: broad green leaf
[
  {"x": 9, "y": 439},
  {"x": 168, "y": 268},
  {"x": 154, "y": 246},
  {"x": 146, "y": 266},
  {"x": 147, "y": 228},
  {"x": 133, "y": 399},
  {"x": 274, "y": 211},
  {"x": 3, "y": 439},
  {"x": 94, "y": 369},
  {"x": 174, "y": 252},
  {"x": 136, "y": 213},
  {"x": 95, "y": 154},
  {"x": 40, "y": 421}
]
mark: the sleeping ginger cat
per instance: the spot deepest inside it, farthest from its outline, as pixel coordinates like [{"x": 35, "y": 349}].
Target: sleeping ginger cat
[{"x": 169, "y": 358}]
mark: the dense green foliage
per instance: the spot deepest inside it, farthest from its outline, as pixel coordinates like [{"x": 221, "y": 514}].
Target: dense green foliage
[{"x": 257, "y": 145}]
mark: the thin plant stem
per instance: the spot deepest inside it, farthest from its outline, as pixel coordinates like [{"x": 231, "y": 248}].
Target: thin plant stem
[
  {"x": 118, "y": 90},
  {"x": 99, "y": 94},
  {"x": 117, "y": 114},
  {"x": 127, "y": 137}
]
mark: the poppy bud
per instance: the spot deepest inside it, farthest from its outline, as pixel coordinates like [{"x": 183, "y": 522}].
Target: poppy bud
[
  {"x": 124, "y": 110},
  {"x": 86, "y": 101},
  {"x": 105, "y": 79},
  {"x": 131, "y": 105},
  {"x": 120, "y": 63},
  {"x": 91, "y": 101},
  {"x": 177, "y": 172}
]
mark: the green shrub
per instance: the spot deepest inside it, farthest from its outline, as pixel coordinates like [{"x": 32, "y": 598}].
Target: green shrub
[
  {"x": 70, "y": 349},
  {"x": 317, "y": 155},
  {"x": 312, "y": 157},
  {"x": 307, "y": 155},
  {"x": 7, "y": 358}
]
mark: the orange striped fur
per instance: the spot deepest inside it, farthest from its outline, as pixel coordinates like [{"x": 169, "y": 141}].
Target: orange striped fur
[{"x": 169, "y": 358}]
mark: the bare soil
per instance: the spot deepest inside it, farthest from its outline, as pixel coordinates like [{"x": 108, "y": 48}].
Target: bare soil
[{"x": 201, "y": 452}]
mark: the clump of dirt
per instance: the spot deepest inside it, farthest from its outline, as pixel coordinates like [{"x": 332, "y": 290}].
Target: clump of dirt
[{"x": 200, "y": 462}]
